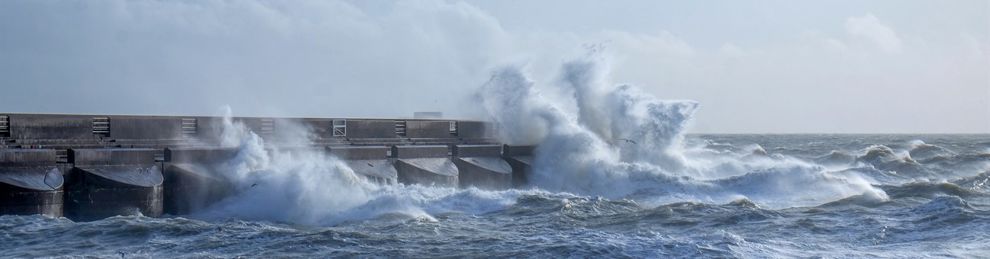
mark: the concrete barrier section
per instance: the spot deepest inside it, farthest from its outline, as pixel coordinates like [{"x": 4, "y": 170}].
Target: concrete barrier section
[
  {"x": 361, "y": 128},
  {"x": 30, "y": 183},
  {"x": 475, "y": 129},
  {"x": 426, "y": 165},
  {"x": 110, "y": 182},
  {"x": 521, "y": 160},
  {"x": 427, "y": 129},
  {"x": 145, "y": 127},
  {"x": 89, "y": 167},
  {"x": 44, "y": 126},
  {"x": 370, "y": 162},
  {"x": 482, "y": 166},
  {"x": 194, "y": 178}
]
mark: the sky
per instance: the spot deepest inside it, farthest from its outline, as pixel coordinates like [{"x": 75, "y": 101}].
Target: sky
[{"x": 755, "y": 66}]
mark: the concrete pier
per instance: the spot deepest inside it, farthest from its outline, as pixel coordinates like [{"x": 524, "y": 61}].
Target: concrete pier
[
  {"x": 521, "y": 160},
  {"x": 195, "y": 178},
  {"x": 30, "y": 183},
  {"x": 93, "y": 166},
  {"x": 426, "y": 165},
  {"x": 372, "y": 162},
  {"x": 109, "y": 182},
  {"x": 482, "y": 166}
]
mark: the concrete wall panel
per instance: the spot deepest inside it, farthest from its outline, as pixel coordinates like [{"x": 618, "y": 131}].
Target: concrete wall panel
[
  {"x": 427, "y": 171},
  {"x": 191, "y": 187},
  {"x": 44, "y": 126},
  {"x": 145, "y": 127},
  {"x": 319, "y": 128},
  {"x": 112, "y": 156},
  {"x": 360, "y": 152},
  {"x": 420, "y": 151},
  {"x": 475, "y": 129},
  {"x": 484, "y": 172},
  {"x": 199, "y": 155},
  {"x": 428, "y": 129},
  {"x": 28, "y": 157},
  {"x": 478, "y": 150},
  {"x": 508, "y": 150},
  {"x": 361, "y": 128}
]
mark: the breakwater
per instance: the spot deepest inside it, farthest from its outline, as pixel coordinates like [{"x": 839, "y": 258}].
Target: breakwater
[{"x": 88, "y": 167}]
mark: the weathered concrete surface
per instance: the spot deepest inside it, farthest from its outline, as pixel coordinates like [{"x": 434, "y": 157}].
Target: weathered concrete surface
[
  {"x": 145, "y": 127},
  {"x": 30, "y": 183},
  {"x": 427, "y": 129},
  {"x": 482, "y": 166},
  {"x": 104, "y": 175},
  {"x": 371, "y": 129},
  {"x": 521, "y": 160},
  {"x": 426, "y": 165},
  {"x": 110, "y": 182},
  {"x": 475, "y": 129},
  {"x": 47, "y": 126},
  {"x": 427, "y": 171},
  {"x": 195, "y": 178},
  {"x": 369, "y": 161}
]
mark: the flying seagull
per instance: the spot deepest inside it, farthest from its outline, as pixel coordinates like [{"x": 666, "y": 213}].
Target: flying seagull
[{"x": 629, "y": 141}]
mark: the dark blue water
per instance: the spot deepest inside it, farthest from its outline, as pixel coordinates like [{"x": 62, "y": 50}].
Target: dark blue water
[{"x": 936, "y": 204}]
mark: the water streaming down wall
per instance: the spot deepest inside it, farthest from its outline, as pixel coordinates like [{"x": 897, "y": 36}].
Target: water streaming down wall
[
  {"x": 194, "y": 178},
  {"x": 154, "y": 165}
]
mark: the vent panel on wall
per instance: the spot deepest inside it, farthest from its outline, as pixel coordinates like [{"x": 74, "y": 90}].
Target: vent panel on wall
[
  {"x": 267, "y": 127},
  {"x": 189, "y": 126},
  {"x": 400, "y": 128},
  {"x": 4, "y": 126},
  {"x": 101, "y": 126}
]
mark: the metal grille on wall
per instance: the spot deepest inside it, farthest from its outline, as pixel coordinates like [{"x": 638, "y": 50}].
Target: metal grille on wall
[
  {"x": 189, "y": 126},
  {"x": 4, "y": 126},
  {"x": 267, "y": 127},
  {"x": 101, "y": 126},
  {"x": 400, "y": 128}
]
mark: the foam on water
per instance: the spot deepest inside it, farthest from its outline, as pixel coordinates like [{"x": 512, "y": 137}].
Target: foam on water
[
  {"x": 618, "y": 142},
  {"x": 921, "y": 218},
  {"x": 614, "y": 176},
  {"x": 305, "y": 186}
]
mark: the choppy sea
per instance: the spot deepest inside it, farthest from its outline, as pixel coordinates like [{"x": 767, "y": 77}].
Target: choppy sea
[{"x": 924, "y": 196}]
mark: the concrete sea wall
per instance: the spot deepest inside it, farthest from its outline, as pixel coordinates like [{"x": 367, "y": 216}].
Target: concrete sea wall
[{"x": 88, "y": 167}]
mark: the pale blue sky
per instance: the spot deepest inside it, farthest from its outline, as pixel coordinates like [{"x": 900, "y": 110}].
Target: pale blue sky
[{"x": 755, "y": 66}]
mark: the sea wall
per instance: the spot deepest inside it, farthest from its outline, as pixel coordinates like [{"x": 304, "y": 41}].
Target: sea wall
[{"x": 88, "y": 167}]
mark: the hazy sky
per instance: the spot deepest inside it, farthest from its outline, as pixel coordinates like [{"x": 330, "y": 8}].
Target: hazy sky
[{"x": 755, "y": 66}]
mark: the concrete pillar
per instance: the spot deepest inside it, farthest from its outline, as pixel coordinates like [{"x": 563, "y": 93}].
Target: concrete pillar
[
  {"x": 371, "y": 162},
  {"x": 110, "y": 182},
  {"x": 425, "y": 165},
  {"x": 194, "y": 178},
  {"x": 482, "y": 166},
  {"x": 521, "y": 160},
  {"x": 30, "y": 183}
]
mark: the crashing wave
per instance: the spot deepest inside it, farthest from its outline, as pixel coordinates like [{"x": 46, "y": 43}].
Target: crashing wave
[{"x": 621, "y": 142}]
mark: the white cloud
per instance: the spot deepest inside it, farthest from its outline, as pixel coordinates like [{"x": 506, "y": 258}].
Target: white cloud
[
  {"x": 732, "y": 50},
  {"x": 386, "y": 59},
  {"x": 870, "y": 28}
]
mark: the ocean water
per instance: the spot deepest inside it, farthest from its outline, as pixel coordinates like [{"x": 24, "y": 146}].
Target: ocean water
[
  {"x": 614, "y": 175},
  {"x": 938, "y": 205}
]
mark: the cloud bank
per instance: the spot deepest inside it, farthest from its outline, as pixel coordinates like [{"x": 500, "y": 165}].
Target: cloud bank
[{"x": 855, "y": 70}]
